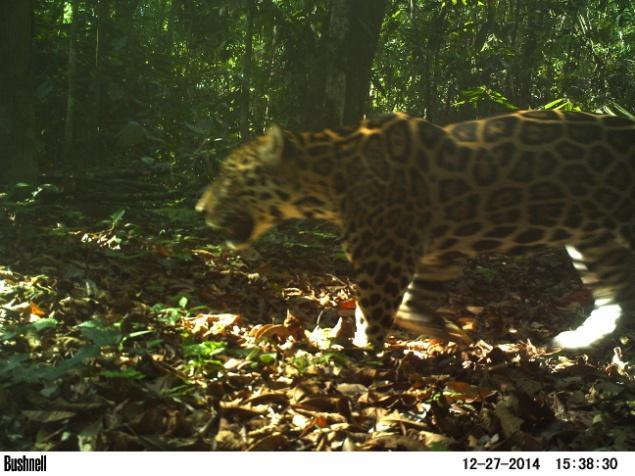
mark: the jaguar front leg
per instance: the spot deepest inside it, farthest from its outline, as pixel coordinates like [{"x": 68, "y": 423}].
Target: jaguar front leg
[{"x": 383, "y": 269}]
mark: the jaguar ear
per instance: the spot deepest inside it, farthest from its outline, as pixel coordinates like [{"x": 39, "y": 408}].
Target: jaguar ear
[{"x": 273, "y": 146}]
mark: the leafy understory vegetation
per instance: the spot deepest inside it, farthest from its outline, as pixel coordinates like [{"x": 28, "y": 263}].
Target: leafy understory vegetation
[{"x": 135, "y": 328}]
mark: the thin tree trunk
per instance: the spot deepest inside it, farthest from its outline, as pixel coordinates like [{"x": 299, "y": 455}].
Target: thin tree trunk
[
  {"x": 336, "y": 58},
  {"x": 484, "y": 108},
  {"x": 431, "y": 88},
  {"x": 527, "y": 58},
  {"x": 100, "y": 42},
  {"x": 315, "y": 59},
  {"x": 17, "y": 140},
  {"x": 512, "y": 20},
  {"x": 169, "y": 34},
  {"x": 270, "y": 32},
  {"x": 71, "y": 93},
  {"x": 247, "y": 63},
  {"x": 365, "y": 19}
]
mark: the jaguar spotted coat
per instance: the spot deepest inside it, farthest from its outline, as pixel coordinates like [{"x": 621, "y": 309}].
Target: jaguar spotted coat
[{"x": 415, "y": 200}]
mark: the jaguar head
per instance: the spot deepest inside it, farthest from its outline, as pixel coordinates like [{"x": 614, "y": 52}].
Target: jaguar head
[{"x": 248, "y": 196}]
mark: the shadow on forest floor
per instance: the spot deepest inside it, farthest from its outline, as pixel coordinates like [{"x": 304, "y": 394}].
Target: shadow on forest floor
[{"x": 134, "y": 328}]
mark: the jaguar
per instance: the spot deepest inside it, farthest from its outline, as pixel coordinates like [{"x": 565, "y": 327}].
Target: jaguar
[{"x": 415, "y": 200}]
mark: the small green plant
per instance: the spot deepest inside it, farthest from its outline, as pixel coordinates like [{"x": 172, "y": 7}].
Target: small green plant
[
  {"x": 483, "y": 94},
  {"x": 562, "y": 104}
]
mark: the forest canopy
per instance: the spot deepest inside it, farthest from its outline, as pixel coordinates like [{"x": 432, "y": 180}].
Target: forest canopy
[{"x": 118, "y": 80}]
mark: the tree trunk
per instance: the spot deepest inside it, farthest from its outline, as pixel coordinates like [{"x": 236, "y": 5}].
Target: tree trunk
[
  {"x": 526, "y": 59},
  {"x": 485, "y": 108},
  {"x": 269, "y": 39},
  {"x": 315, "y": 59},
  {"x": 339, "y": 73},
  {"x": 101, "y": 10},
  {"x": 17, "y": 139},
  {"x": 336, "y": 57},
  {"x": 247, "y": 62},
  {"x": 436, "y": 32},
  {"x": 365, "y": 18},
  {"x": 71, "y": 93},
  {"x": 169, "y": 32},
  {"x": 429, "y": 36}
]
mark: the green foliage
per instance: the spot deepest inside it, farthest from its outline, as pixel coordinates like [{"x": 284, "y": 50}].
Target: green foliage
[
  {"x": 200, "y": 357},
  {"x": 563, "y": 104},
  {"x": 452, "y": 60},
  {"x": 97, "y": 337},
  {"x": 116, "y": 217},
  {"x": 100, "y": 334},
  {"x": 615, "y": 109},
  {"x": 476, "y": 96},
  {"x": 17, "y": 367},
  {"x": 303, "y": 363},
  {"x": 131, "y": 374},
  {"x": 205, "y": 349},
  {"x": 160, "y": 81},
  {"x": 168, "y": 315}
]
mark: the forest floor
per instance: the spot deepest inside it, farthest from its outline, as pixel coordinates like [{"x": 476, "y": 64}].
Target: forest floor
[{"x": 133, "y": 327}]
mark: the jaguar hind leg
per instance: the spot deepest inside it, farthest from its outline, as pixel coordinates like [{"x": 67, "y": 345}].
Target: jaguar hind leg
[
  {"x": 418, "y": 311},
  {"x": 607, "y": 267}
]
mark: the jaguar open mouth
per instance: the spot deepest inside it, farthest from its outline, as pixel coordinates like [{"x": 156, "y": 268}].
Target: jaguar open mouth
[{"x": 238, "y": 228}]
